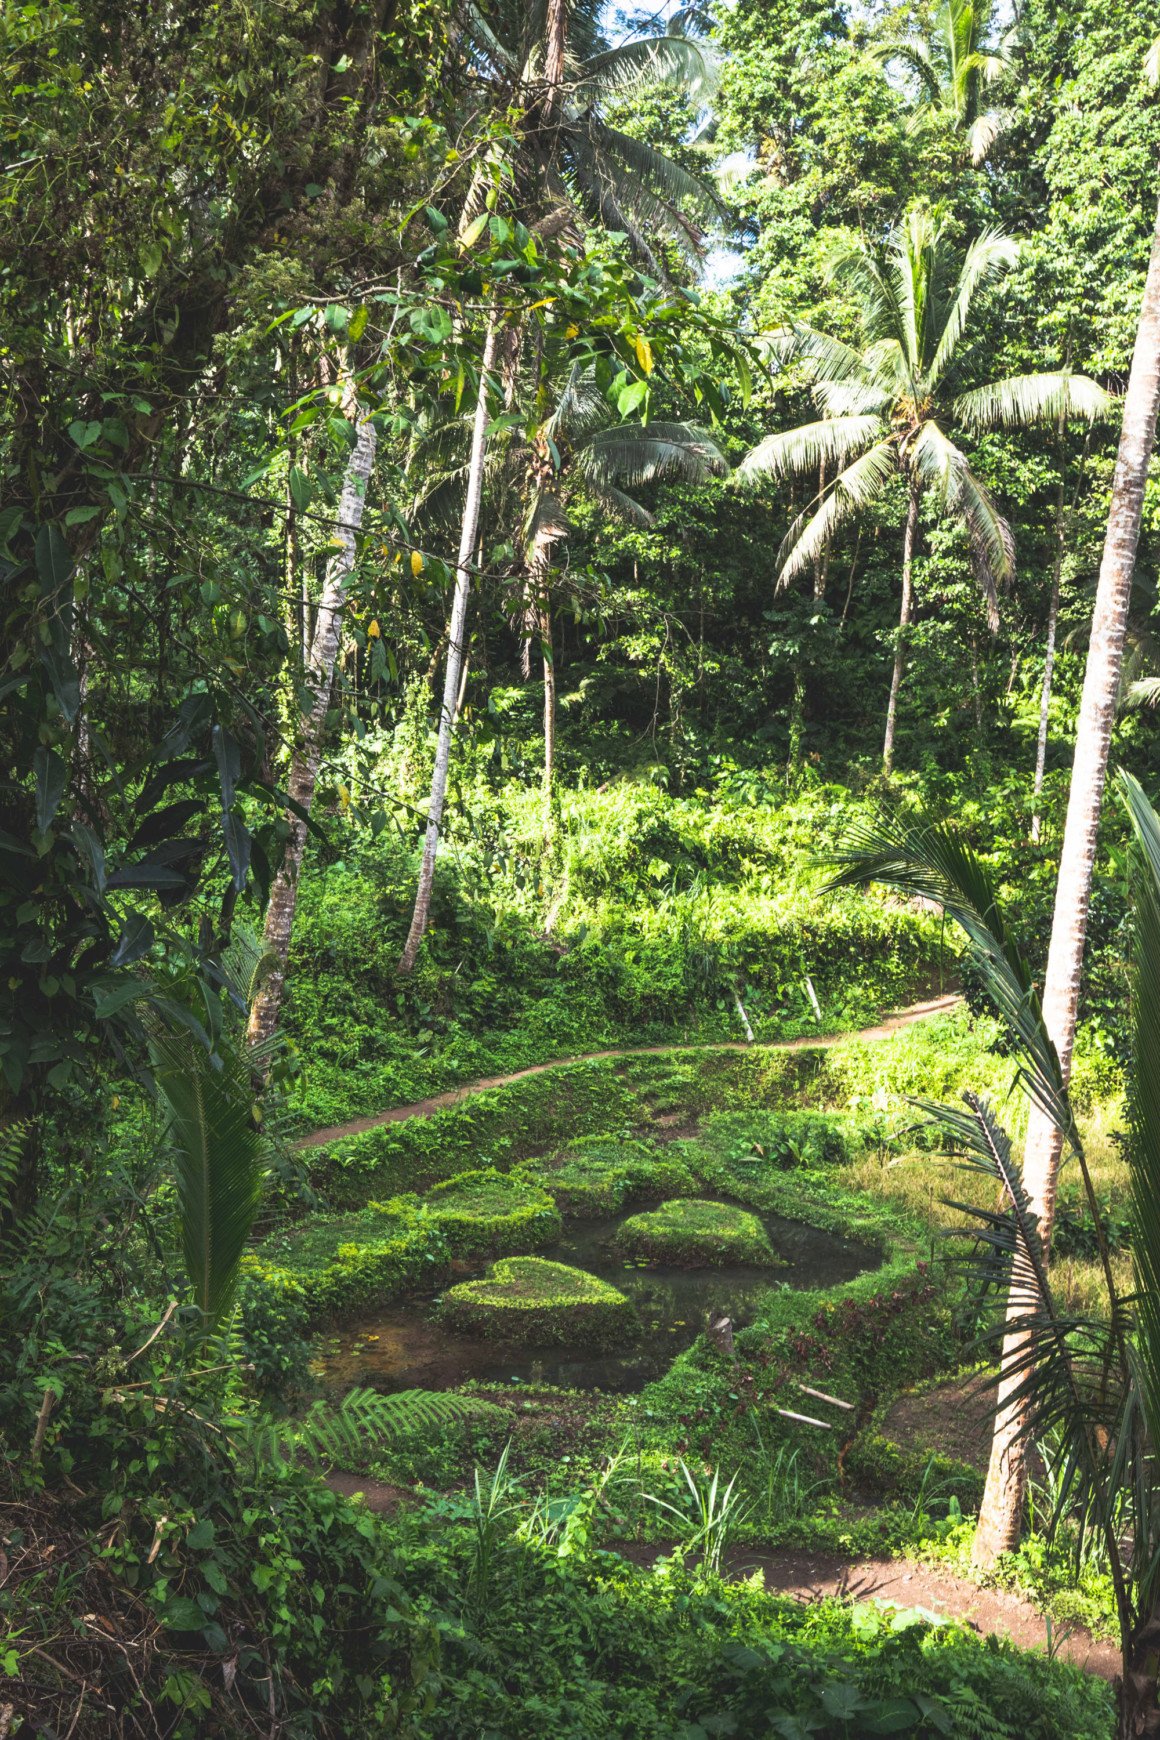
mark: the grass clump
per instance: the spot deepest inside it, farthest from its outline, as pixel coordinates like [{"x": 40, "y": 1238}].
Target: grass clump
[
  {"x": 528, "y": 1299},
  {"x": 600, "y": 1175},
  {"x": 698, "y": 1234},
  {"x": 488, "y": 1210}
]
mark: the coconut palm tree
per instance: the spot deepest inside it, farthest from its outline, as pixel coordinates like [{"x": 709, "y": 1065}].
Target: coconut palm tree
[
  {"x": 955, "y": 67},
  {"x": 887, "y": 407},
  {"x": 1003, "y": 1498},
  {"x": 1095, "y": 1381},
  {"x": 574, "y": 167}
]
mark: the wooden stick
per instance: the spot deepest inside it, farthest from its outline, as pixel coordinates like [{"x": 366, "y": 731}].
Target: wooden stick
[
  {"x": 805, "y": 1419},
  {"x": 821, "y": 1396}
]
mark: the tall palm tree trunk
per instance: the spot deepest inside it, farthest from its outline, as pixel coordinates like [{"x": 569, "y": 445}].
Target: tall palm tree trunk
[
  {"x": 903, "y": 626},
  {"x": 455, "y": 647},
  {"x": 319, "y": 675},
  {"x": 1001, "y": 1513}
]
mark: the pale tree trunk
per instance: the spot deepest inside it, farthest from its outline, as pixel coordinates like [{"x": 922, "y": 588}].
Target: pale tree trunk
[
  {"x": 319, "y": 675},
  {"x": 456, "y": 635},
  {"x": 903, "y": 626},
  {"x": 1048, "y": 669},
  {"x": 1001, "y": 1513}
]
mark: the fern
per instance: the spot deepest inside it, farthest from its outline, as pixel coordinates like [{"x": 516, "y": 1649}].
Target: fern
[
  {"x": 12, "y": 1139},
  {"x": 334, "y": 1434}
]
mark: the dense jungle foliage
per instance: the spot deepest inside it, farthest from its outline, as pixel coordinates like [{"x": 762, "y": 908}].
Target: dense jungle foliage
[{"x": 545, "y": 535}]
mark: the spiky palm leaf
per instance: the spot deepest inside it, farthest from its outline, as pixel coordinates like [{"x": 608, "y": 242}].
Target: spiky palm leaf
[
  {"x": 650, "y": 63},
  {"x": 933, "y": 862},
  {"x": 851, "y": 493},
  {"x": 637, "y": 454},
  {"x": 799, "y": 452},
  {"x": 217, "y": 1152},
  {"x": 1019, "y": 401},
  {"x": 945, "y": 470}
]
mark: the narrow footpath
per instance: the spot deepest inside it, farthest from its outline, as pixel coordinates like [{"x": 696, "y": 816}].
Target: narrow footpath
[{"x": 452, "y": 1096}]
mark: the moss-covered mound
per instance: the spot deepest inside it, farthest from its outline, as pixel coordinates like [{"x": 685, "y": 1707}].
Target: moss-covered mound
[
  {"x": 337, "y": 1264},
  {"x": 698, "y": 1234},
  {"x": 494, "y": 1211},
  {"x": 311, "y": 1244},
  {"x": 530, "y": 1300},
  {"x": 603, "y": 1174}
]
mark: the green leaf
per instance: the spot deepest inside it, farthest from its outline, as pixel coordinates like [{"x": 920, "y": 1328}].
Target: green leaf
[
  {"x": 149, "y": 256},
  {"x": 631, "y": 396},
  {"x": 135, "y": 941},
  {"x": 301, "y": 491},
  {"x": 54, "y": 564},
  {"x": 51, "y": 771},
  {"x": 182, "y": 1614},
  {"x": 358, "y": 323}
]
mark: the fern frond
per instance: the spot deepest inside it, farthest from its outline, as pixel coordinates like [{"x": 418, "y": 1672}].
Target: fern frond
[{"x": 330, "y": 1435}]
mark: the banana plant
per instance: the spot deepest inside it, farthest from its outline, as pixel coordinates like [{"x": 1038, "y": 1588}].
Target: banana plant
[{"x": 1091, "y": 1382}]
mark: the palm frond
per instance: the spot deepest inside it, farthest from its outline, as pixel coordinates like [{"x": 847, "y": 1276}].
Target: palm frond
[
  {"x": 930, "y": 860},
  {"x": 1063, "y": 1374},
  {"x": 217, "y": 1152},
  {"x": 985, "y": 130},
  {"x": 1144, "y": 692},
  {"x": 914, "y": 55},
  {"x": 621, "y": 505},
  {"x": 331, "y": 1434},
  {"x": 580, "y": 407},
  {"x": 642, "y": 181},
  {"x": 832, "y": 358},
  {"x": 851, "y": 491},
  {"x": 799, "y": 452},
  {"x": 944, "y": 468},
  {"x": 990, "y": 254},
  {"x": 1018, "y": 401},
  {"x": 636, "y": 454},
  {"x": 648, "y": 64}
]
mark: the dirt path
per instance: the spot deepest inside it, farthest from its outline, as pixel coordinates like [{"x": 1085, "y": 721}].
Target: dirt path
[
  {"x": 809, "y": 1577},
  {"x": 452, "y": 1096}
]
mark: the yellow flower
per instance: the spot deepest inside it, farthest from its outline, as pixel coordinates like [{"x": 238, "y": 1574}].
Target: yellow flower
[
  {"x": 374, "y": 631},
  {"x": 416, "y": 563},
  {"x": 572, "y": 331}
]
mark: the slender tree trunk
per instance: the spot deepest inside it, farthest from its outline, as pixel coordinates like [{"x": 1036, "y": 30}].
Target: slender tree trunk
[
  {"x": 319, "y": 674},
  {"x": 549, "y": 706},
  {"x": 903, "y": 626},
  {"x": 456, "y": 633},
  {"x": 1048, "y": 669},
  {"x": 1001, "y": 1513}
]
